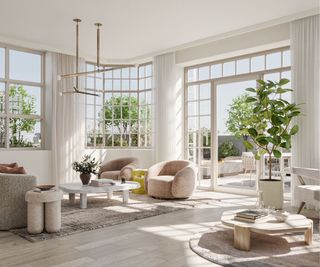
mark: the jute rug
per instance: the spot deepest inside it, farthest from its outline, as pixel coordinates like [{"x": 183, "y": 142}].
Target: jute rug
[
  {"x": 102, "y": 212},
  {"x": 289, "y": 250}
]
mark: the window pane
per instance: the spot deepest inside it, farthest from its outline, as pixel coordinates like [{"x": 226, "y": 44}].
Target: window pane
[
  {"x": 108, "y": 74},
  {"x": 142, "y": 72},
  {"x": 125, "y": 85},
  {"x": 125, "y": 73},
  {"x": 116, "y": 84},
  {"x": 192, "y": 75},
  {"x": 2, "y": 132},
  {"x": 117, "y": 74},
  {"x": 272, "y": 77},
  {"x": 90, "y": 83},
  {"x": 192, "y": 124},
  {"x": 24, "y": 132},
  {"x": 148, "y": 83},
  {"x": 205, "y": 123},
  {"x": 148, "y": 97},
  {"x": 142, "y": 84},
  {"x": 205, "y": 91},
  {"x": 205, "y": 107},
  {"x": 204, "y": 73},
  {"x": 2, "y": 97},
  {"x": 243, "y": 66},
  {"x": 24, "y": 66},
  {"x": 286, "y": 58},
  {"x": 108, "y": 84},
  {"x": 216, "y": 71},
  {"x": 257, "y": 63},
  {"x": 193, "y": 92},
  {"x": 229, "y": 68},
  {"x": 133, "y": 73},
  {"x": 192, "y": 108},
  {"x": 2, "y": 62},
  {"x": 133, "y": 85},
  {"x": 25, "y": 100},
  {"x": 90, "y": 111},
  {"x": 148, "y": 70},
  {"x": 274, "y": 60}
]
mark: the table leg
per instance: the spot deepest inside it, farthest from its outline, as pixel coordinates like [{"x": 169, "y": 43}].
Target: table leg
[
  {"x": 308, "y": 234},
  {"x": 241, "y": 237},
  {"x": 125, "y": 196},
  {"x": 110, "y": 194},
  {"x": 72, "y": 197},
  {"x": 35, "y": 217},
  {"x": 52, "y": 216},
  {"x": 83, "y": 200}
]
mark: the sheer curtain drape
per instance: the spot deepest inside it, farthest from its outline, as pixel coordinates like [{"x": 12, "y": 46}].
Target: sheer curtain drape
[
  {"x": 68, "y": 118},
  {"x": 168, "y": 109},
  {"x": 305, "y": 82}
]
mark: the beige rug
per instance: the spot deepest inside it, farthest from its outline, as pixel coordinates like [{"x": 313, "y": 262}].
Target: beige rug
[
  {"x": 289, "y": 250},
  {"x": 102, "y": 212}
]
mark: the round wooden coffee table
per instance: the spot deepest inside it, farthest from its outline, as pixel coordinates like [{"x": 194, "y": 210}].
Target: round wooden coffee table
[
  {"x": 267, "y": 225},
  {"x": 83, "y": 190}
]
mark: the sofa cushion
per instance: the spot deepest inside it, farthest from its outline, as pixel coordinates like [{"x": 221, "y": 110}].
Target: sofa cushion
[
  {"x": 110, "y": 175},
  {"x": 15, "y": 170},
  {"x": 160, "y": 186}
]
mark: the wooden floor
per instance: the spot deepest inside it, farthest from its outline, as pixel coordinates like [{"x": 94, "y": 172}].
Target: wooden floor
[{"x": 156, "y": 241}]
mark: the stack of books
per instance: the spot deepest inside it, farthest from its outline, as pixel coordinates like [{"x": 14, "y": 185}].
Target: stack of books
[
  {"x": 250, "y": 216},
  {"x": 102, "y": 182}
]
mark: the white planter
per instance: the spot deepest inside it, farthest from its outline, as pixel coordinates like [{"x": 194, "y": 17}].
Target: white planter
[{"x": 272, "y": 193}]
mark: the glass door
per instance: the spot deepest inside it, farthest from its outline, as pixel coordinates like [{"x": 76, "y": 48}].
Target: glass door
[
  {"x": 234, "y": 168},
  {"x": 199, "y": 131}
]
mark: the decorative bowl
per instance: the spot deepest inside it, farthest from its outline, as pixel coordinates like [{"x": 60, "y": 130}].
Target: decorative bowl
[
  {"x": 280, "y": 216},
  {"x": 45, "y": 187}
]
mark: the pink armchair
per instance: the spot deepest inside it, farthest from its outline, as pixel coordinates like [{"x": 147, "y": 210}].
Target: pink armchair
[
  {"x": 171, "y": 179},
  {"x": 118, "y": 168}
]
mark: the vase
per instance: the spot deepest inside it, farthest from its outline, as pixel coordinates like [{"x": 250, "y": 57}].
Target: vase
[
  {"x": 85, "y": 178},
  {"x": 272, "y": 193}
]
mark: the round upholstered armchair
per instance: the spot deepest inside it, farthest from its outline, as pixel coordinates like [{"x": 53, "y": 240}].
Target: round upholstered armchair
[
  {"x": 118, "y": 168},
  {"x": 171, "y": 179}
]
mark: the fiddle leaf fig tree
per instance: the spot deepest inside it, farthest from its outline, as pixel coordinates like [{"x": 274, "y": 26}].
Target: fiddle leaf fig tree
[{"x": 270, "y": 126}]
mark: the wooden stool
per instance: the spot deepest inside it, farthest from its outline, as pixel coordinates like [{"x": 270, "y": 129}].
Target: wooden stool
[{"x": 44, "y": 211}]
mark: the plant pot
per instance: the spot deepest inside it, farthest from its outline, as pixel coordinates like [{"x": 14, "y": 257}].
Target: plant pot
[
  {"x": 85, "y": 178},
  {"x": 272, "y": 193}
]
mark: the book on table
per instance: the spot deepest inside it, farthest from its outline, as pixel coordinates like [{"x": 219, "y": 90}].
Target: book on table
[
  {"x": 102, "y": 182},
  {"x": 250, "y": 215}
]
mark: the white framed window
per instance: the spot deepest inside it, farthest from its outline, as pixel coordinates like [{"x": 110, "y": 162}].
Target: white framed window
[
  {"x": 210, "y": 89},
  {"x": 21, "y": 94},
  {"x": 121, "y": 115}
]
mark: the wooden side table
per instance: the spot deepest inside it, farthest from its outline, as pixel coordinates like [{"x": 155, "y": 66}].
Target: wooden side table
[
  {"x": 138, "y": 175},
  {"x": 44, "y": 211}
]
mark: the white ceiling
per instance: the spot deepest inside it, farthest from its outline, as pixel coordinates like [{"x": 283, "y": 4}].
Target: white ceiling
[{"x": 133, "y": 28}]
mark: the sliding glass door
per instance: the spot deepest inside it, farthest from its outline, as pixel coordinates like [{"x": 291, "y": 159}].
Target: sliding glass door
[{"x": 234, "y": 166}]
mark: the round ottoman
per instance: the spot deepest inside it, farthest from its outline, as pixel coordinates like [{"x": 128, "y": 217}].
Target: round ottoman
[{"x": 44, "y": 211}]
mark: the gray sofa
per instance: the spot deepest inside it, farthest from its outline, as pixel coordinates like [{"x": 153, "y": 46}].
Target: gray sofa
[{"x": 13, "y": 207}]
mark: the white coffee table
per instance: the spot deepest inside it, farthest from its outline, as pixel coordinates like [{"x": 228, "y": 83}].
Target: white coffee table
[
  {"x": 83, "y": 190},
  {"x": 268, "y": 225}
]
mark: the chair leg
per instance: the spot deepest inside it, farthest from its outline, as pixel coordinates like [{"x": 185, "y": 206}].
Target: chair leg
[{"x": 301, "y": 207}]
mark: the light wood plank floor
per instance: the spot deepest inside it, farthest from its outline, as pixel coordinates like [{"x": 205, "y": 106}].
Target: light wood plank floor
[{"x": 156, "y": 241}]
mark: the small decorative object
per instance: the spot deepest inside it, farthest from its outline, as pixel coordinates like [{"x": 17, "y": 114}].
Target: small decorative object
[
  {"x": 86, "y": 167},
  {"x": 45, "y": 187},
  {"x": 280, "y": 215},
  {"x": 123, "y": 180}
]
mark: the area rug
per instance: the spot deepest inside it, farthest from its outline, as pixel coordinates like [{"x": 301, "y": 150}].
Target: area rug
[
  {"x": 102, "y": 212},
  {"x": 288, "y": 250}
]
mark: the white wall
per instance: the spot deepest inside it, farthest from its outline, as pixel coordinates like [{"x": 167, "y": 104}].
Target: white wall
[
  {"x": 36, "y": 162},
  {"x": 235, "y": 45}
]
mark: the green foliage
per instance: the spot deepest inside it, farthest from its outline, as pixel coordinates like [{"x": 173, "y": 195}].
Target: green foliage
[
  {"x": 21, "y": 103},
  {"x": 227, "y": 149},
  {"x": 270, "y": 125},
  {"x": 87, "y": 165},
  {"x": 240, "y": 113}
]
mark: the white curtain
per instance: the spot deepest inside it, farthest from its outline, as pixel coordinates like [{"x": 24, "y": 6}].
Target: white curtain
[
  {"x": 68, "y": 120},
  {"x": 168, "y": 109},
  {"x": 305, "y": 82}
]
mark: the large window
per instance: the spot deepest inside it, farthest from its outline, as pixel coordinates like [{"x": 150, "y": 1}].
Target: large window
[
  {"x": 215, "y": 107},
  {"x": 21, "y": 90},
  {"x": 121, "y": 115}
]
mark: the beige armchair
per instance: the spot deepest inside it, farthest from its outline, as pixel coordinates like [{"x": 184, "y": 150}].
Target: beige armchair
[
  {"x": 118, "y": 168},
  {"x": 171, "y": 179}
]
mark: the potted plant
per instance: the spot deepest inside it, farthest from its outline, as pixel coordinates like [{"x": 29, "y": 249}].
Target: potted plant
[
  {"x": 86, "y": 167},
  {"x": 270, "y": 130}
]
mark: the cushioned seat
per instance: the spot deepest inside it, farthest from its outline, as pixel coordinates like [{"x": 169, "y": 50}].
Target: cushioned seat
[
  {"x": 171, "y": 179},
  {"x": 118, "y": 168}
]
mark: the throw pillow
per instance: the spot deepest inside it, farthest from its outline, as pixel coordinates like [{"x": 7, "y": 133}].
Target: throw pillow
[
  {"x": 15, "y": 170},
  {"x": 11, "y": 165}
]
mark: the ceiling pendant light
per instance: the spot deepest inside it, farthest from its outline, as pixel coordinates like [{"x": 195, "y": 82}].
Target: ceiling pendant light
[{"x": 104, "y": 68}]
